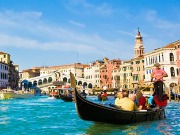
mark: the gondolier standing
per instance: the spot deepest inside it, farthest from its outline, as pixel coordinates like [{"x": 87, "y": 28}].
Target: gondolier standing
[{"x": 157, "y": 76}]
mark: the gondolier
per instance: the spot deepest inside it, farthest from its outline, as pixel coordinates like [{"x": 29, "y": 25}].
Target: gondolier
[{"x": 157, "y": 77}]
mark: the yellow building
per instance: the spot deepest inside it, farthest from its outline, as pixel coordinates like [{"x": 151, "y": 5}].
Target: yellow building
[
  {"x": 126, "y": 75},
  {"x": 5, "y": 57},
  {"x": 30, "y": 73}
]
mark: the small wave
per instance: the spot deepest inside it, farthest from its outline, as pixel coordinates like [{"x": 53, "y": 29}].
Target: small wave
[
  {"x": 3, "y": 108},
  {"x": 4, "y": 120}
]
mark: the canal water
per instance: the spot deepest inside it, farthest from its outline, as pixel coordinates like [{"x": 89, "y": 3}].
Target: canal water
[{"x": 47, "y": 116}]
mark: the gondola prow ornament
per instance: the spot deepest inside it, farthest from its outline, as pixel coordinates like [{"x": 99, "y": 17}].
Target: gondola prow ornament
[{"x": 73, "y": 84}]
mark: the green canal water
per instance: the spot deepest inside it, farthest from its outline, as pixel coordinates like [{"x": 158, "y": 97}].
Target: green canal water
[{"x": 47, "y": 116}]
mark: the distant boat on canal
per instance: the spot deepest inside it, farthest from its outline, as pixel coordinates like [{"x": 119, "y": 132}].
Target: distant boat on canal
[
  {"x": 61, "y": 93},
  {"x": 19, "y": 94}
]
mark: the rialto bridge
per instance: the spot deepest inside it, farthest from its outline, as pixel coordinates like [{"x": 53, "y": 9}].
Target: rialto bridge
[{"x": 55, "y": 78}]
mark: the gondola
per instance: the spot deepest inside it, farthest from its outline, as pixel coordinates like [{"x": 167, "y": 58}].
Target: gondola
[
  {"x": 91, "y": 111},
  {"x": 66, "y": 98}
]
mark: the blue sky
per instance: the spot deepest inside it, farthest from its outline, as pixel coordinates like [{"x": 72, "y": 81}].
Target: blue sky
[{"x": 58, "y": 32}]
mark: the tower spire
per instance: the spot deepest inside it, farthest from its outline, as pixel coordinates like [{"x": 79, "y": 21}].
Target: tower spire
[{"x": 139, "y": 48}]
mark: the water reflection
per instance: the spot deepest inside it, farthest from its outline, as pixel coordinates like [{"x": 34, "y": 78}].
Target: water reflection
[
  {"x": 110, "y": 129},
  {"x": 172, "y": 123},
  {"x": 164, "y": 127}
]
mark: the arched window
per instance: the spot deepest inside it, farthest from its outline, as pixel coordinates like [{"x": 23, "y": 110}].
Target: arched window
[
  {"x": 171, "y": 57},
  {"x": 172, "y": 71}
]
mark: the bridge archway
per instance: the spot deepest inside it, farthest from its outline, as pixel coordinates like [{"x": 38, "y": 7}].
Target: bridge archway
[
  {"x": 35, "y": 83},
  {"x": 90, "y": 85},
  {"x": 44, "y": 80},
  {"x": 40, "y": 82},
  {"x": 24, "y": 83},
  {"x": 49, "y": 79},
  {"x": 65, "y": 79}
]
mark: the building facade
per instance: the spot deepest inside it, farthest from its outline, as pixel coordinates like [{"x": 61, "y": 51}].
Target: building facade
[
  {"x": 13, "y": 71},
  {"x": 165, "y": 56},
  {"x": 4, "y": 75},
  {"x": 177, "y": 50},
  {"x": 92, "y": 72},
  {"x": 5, "y": 57}
]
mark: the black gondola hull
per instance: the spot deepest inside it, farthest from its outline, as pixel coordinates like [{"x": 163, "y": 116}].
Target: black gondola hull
[
  {"x": 91, "y": 111},
  {"x": 66, "y": 98}
]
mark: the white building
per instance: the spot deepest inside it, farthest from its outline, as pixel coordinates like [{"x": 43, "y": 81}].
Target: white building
[
  {"x": 167, "y": 58},
  {"x": 4, "y": 70},
  {"x": 92, "y": 72}
]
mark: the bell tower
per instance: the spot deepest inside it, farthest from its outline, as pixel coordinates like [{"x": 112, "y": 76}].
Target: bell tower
[{"x": 139, "y": 48}]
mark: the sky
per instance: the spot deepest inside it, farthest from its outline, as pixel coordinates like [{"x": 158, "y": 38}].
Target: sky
[{"x": 58, "y": 32}]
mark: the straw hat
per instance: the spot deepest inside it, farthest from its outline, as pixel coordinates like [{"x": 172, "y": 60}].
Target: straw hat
[{"x": 157, "y": 65}]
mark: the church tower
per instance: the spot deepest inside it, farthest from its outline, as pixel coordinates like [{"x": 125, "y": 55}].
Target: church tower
[{"x": 139, "y": 48}]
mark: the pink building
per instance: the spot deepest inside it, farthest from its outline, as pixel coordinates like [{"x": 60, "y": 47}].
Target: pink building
[
  {"x": 106, "y": 72},
  {"x": 177, "y": 47}
]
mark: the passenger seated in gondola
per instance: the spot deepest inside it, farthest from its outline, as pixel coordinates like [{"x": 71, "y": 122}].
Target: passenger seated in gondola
[
  {"x": 134, "y": 99},
  {"x": 125, "y": 103},
  {"x": 70, "y": 94},
  {"x": 99, "y": 95},
  {"x": 104, "y": 95},
  {"x": 141, "y": 101},
  {"x": 115, "y": 94},
  {"x": 136, "y": 89},
  {"x": 83, "y": 94},
  {"x": 118, "y": 98},
  {"x": 151, "y": 102}
]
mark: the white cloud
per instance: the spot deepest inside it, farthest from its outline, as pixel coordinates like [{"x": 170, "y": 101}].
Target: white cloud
[
  {"x": 77, "y": 23},
  {"x": 126, "y": 33},
  {"x": 163, "y": 24},
  {"x": 10, "y": 15},
  {"x": 152, "y": 17},
  {"x": 104, "y": 9},
  {"x": 85, "y": 7},
  {"x": 38, "y": 35},
  {"x": 15, "y": 41}
]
